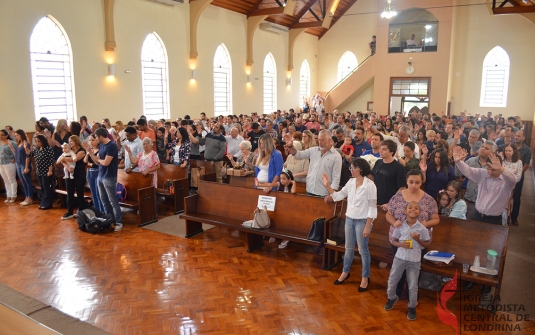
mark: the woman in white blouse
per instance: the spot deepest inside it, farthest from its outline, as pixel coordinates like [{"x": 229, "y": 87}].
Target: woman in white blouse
[
  {"x": 299, "y": 167},
  {"x": 361, "y": 196},
  {"x": 511, "y": 160}
]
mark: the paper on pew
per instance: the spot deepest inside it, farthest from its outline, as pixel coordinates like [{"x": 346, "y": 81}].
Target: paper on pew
[{"x": 437, "y": 256}]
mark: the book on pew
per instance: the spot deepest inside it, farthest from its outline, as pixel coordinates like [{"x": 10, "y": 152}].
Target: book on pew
[
  {"x": 437, "y": 256},
  {"x": 336, "y": 241}
]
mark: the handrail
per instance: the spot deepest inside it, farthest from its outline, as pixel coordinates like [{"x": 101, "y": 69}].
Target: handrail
[{"x": 350, "y": 73}]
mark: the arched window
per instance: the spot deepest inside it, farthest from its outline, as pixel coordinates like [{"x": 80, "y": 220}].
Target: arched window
[
  {"x": 155, "y": 78},
  {"x": 52, "y": 71},
  {"x": 304, "y": 83},
  {"x": 347, "y": 63},
  {"x": 495, "y": 81},
  {"x": 222, "y": 82},
  {"x": 270, "y": 84}
]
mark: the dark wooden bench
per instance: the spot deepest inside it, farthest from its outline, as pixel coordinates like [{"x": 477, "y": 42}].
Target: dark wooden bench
[
  {"x": 202, "y": 165},
  {"x": 140, "y": 195},
  {"x": 464, "y": 238},
  {"x": 301, "y": 188},
  {"x": 180, "y": 182},
  {"x": 229, "y": 206}
]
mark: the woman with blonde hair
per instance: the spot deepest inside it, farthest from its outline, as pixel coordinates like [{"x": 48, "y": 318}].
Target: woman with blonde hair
[
  {"x": 308, "y": 140},
  {"x": 299, "y": 167},
  {"x": 61, "y": 136},
  {"x": 268, "y": 165}
]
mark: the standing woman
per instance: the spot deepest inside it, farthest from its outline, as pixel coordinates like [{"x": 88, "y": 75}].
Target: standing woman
[
  {"x": 61, "y": 136},
  {"x": 45, "y": 162},
  {"x": 92, "y": 172},
  {"x": 195, "y": 136},
  {"x": 147, "y": 160},
  {"x": 308, "y": 140},
  {"x": 512, "y": 161},
  {"x": 8, "y": 169},
  {"x": 39, "y": 130},
  {"x": 437, "y": 173},
  {"x": 24, "y": 167},
  {"x": 179, "y": 150},
  {"x": 361, "y": 194},
  {"x": 299, "y": 167},
  {"x": 78, "y": 183},
  {"x": 268, "y": 165}
]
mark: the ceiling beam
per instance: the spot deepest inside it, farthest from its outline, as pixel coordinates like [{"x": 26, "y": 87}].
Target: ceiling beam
[
  {"x": 258, "y": 2},
  {"x": 267, "y": 11},
  {"x": 314, "y": 14},
  {"x": 302, "y": 12},
  {"x": 514, "y": 10},
  {"x": 312, "y": 24}
]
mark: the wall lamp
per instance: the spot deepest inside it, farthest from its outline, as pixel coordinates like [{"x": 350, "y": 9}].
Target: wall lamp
[
  {"x": 111, "y": 70},
  {"x": 194, "y": 74}
]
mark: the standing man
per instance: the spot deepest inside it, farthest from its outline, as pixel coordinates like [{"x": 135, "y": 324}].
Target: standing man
[
  {"x": 488, "y": 148},
  {"x": 373, "y": 44},
  {"x": 215, "y": 146},
  {"x": 233, "y": 141},
  {"x": 299, "y": 126},
  {"x": 108, "y": 163},
  {"x": 360, "y": 144},
  {"x": 323, "y": 160},
  {"x": 495, "y": 186},
  {"x": 145, "y": 131},
  {"x": 388, "y": 174},
  {"x": 255, "y": 134},
  {"x": 269, "y": 129},
  {"x": 525, "y": 156},
  {"x": 136, "y": 146},
  {"x": 313, "y": 124}
]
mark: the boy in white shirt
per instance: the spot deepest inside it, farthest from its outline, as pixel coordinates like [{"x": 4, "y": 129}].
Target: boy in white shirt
[{"x": 410, "y": 239}]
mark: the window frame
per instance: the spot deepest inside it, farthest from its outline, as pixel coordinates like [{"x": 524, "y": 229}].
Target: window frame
[
  {"x": 69, "y": 92},
  {"x": 303, "y": 96},
  {"x": 164, "y": 73},
  {"x": 222, "y": 50},
  {"x": 340, "y": 73},
  {"x": 486, "y": 68},
  {"x": 269, "y": 76}
]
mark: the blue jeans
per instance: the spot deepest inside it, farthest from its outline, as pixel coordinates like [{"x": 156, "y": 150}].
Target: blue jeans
[
  {"x": 46, "y": 191},
  {"x": 413, "y": 271},
  {"x": 92, "y": 179},
  {"x": 354, "y": 229},
  {"x": 26, "y": 180},
  {"x": 107, "y": 189}
]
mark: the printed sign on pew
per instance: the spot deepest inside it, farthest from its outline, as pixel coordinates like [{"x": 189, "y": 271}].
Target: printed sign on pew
[{"x": 269, "y": 202}]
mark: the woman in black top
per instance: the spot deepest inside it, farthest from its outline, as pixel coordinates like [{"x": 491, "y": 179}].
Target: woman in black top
[
  {"x": 78, "y": 183},
  {"x": 44, "y": 160}
]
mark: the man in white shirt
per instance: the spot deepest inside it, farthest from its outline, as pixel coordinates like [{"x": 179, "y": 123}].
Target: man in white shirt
[
  {"x": 136, "y": 146},
  {"x": 412, "y": 41},
  {"x": 402, "y": 138},
  {"x": 233, "y": 141}
]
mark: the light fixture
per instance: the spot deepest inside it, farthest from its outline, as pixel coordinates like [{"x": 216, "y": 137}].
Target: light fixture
[
  {"x": 111, "y": 70},
  {"x": 334, "y": 6},
  {"x": 389, "y": 11},
  {"x": 193, "y": 74},
  {"x": 289, "y": 81},
  {"x": 248, "y": 79}
]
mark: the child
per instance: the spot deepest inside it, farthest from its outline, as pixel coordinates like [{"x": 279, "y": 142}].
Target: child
[
  {"x": 443, "y": 201},
  {"x": 347, "y": 150},
  {"x": 68, "y": 167},
  {"x": 287, "y": 185},
  {"x": 457, "y": 206},
  {"x": 410, "y": 238},
  {"x": 430, "y": 143}
]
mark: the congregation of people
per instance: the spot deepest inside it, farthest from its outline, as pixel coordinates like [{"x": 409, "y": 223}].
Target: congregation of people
[{"x": 415, "y": 167}]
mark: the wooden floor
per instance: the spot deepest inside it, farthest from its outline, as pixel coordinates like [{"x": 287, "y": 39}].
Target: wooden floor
[{"x": 142, "y": 282}]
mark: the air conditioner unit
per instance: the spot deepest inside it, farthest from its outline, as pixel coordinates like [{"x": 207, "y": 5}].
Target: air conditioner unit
[
  {"x": 273, "y": 28},
  {"x": 168, "y": 2}
]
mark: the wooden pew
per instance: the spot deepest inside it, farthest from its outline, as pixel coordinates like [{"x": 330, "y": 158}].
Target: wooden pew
[
  {"x": 229, "y": 206},
  {"x": 178, "y": 177},
  {"x": 464, "y": 238},
  {"x": 301, "y": 188},
  {"x": 201, "y": 164},
  {"x": 140, "y": 195}
]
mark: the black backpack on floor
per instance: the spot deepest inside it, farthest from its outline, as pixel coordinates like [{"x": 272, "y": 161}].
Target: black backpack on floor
[{"x": 93, "y": 221}]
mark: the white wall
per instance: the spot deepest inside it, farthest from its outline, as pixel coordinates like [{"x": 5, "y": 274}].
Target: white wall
[{"x": 121, "y": 98}]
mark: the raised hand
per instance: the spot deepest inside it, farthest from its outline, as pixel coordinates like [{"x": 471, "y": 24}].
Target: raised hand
[
  {"x": 495, "y": 162},
  {"x": 423, "y": 165},
  {"x": 85, "y": 145},
  {"x": 459, "y": 154}
]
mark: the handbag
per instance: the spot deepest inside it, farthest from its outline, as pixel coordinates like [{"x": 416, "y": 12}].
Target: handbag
[
  {"x": 316, "y": 231},
  {"x": 261, "y": 219}
]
